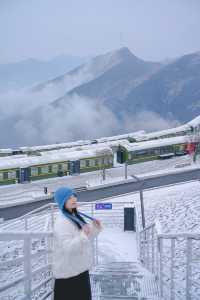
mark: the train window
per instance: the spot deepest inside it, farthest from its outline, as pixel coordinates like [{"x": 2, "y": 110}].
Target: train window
[
  {"x": 49, "y": 169},
  {"x": 87, "y": 163},
  {"x": 34, "y": 171},
  {"x": 5, "y": 175},
  {"x": 92, "y": 163},
  {"x": 60, "y": 167},
  {"x": 11, "y": 175},
  {"x": 82, "y": 164},
  {"x": 156, "y": 151},
  {"x": 96, "y": 162},
  {"x": 141, "y": 152},
  {"x": 54, "y": 168},
  {"x": 1, "y": 176},
  {"x": 39, "y": 171},
  {"x": 65, "y": 167},
  {"x": 45, "y": 170}
]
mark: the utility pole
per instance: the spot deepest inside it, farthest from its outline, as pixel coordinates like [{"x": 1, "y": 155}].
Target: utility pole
[{"x": 103, "y": 172}]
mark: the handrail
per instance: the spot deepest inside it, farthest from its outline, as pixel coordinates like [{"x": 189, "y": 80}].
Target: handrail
[
  {"x": 169, "y": 256},
  {"x": 28, "y": 237},
  {"x": 32, "y": 244}
]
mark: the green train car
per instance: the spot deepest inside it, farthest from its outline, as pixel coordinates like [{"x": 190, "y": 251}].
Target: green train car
[
  {"x": 20, "y": 169},
  {"x": 151, "y": 150}
]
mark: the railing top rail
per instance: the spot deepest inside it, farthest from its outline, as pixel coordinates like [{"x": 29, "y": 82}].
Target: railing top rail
[
  {"x": 15, "y": 235},
  {"x": 185, "y": 235},
  {"x": 49, "y": 205}
]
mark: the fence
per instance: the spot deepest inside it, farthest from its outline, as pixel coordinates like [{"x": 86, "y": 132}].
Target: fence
[
  {"x": 45, "y": 216},
  {"x": 175, "y": 260},
  {"x": 25, "y": 265},
  {"x": 26, "y": 246}
]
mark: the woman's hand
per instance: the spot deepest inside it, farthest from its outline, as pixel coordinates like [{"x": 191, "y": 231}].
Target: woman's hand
[
  {"x": 86, "y": 229},
  {"x": 97, "y": 223}
]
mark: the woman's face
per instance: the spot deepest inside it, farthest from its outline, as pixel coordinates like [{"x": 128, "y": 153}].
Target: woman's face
[{"x": 71, "y": 203}]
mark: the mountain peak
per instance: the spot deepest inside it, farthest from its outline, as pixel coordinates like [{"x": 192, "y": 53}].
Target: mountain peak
[
  {"x": 124, "y": 51},
  {"x": 125, "y": 54}
]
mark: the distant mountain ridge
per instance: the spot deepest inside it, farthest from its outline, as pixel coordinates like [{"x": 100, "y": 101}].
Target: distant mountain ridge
[
  {"x": 172, "y": 92},
  {"x": 25, "y": 73},
  {"x": 117, "y": 73},
  {"x": 111, "y": 94}
]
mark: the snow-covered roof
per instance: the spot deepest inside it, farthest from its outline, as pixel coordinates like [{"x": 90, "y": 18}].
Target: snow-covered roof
[
  {"x": 155, "y": 143},
  {"x": 164, "y": 132},
  {"x": 52, "y": 157},
  {"x": 8, "y": 150},
  {"x": 56, "y": 146},
  {"x": 122, "y": 136},
  {"x": 195, "y": 122}
]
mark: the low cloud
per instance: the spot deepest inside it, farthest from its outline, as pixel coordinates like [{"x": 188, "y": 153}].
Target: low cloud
[
  {"x": 77, "y": 118},
  {"x": 148, "y": 121}
]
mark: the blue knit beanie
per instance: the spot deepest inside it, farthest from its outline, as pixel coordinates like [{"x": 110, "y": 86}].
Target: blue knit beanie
[{"x": 62, "y": 195}]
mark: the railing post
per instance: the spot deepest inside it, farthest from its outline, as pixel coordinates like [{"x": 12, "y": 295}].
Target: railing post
[
  {"x": 27, "y": 266},
  {"x": 153, "y": 249},
  {"x": 96, "y": 247},
  {"x": 52, "y": 216},
  {"x": 188, "y": 267},
  {"x": 172, "y": 270},
  {"x": 142, "y": 207},
  {"x": 147, "y": 240},
  {"x": 161, "y": 266}
]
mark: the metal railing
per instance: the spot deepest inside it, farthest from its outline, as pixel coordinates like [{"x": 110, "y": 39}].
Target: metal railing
[
  {"x": 46, "y": 215},
  {"x": 25, "y": 265},
  {"x": 26, "y": 250},
  {"x": 175, "y": 261}
]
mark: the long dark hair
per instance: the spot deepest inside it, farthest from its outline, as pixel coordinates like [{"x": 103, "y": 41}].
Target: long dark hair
[{"x": 76, "y": 213}]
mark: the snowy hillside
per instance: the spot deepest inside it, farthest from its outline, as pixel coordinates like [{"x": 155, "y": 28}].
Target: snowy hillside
[{"x": 85, "y": 73}]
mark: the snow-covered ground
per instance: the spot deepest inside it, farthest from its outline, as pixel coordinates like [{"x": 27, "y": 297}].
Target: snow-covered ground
[{"x": 176, "y": 207}]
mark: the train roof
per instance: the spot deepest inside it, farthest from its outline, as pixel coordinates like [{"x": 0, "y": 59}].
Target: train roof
[
  {"x": 55, "y": 146},
  {"x": 53, "y": 157},
  {"x": 164, "y": 132},
  {"x": 7, "y": 150},
  {"x": 122, "y": 136},
  {"x": 155, "y": 143},
  {"x": 195, "y": 122}
]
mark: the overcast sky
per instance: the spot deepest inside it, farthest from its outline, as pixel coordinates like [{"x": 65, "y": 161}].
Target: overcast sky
[{"x": 152, "y": 29}]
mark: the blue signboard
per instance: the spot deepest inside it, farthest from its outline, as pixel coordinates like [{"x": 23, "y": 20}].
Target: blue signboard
[{"x": 99, "y": 206}]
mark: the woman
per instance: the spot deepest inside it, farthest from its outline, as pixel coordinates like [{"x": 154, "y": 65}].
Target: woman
[{"x": 72, "y": 255}]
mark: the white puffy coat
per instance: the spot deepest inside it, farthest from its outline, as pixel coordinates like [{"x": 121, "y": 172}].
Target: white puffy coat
[{"x": 72, "y": 248}]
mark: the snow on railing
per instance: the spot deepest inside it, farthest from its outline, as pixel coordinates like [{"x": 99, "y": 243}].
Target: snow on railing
[{"x": 175, "y": 261}]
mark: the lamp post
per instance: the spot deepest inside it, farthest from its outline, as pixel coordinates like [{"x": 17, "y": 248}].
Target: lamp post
[
  {"x": 126, "y": 170},
  {"x": 141, "y": 200}
]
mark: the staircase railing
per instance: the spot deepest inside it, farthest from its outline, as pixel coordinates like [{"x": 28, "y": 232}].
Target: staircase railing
[
  {"x": 25, "y": 265},
  {"x": 175, "y": 261},
  {"x": 26, "y": 250}
]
